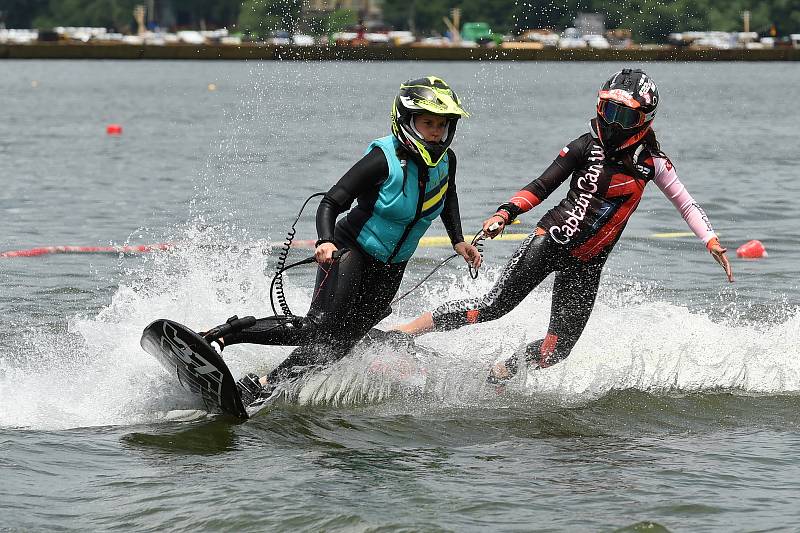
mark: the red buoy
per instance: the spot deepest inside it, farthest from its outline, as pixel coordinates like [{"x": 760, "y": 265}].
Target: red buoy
[
  {"x": 114, "y": 129},
  {"x": 752, "y": 250}
]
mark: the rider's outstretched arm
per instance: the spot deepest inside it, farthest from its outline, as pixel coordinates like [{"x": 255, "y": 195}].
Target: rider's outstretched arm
[
  {"x": 536, "y": 191},
  {"x": 667, "y": 180}
]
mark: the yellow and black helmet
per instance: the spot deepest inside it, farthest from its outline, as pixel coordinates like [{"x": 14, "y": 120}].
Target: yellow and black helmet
[{"x": 426, "y": 95}]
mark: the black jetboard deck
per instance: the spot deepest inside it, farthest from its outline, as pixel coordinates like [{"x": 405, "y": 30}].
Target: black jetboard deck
[{"x": 197, "y": 365}]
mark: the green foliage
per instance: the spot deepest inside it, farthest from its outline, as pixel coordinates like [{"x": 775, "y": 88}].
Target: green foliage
[
  {"x": 341, "y": 19},
  {"x": 417, "y": 15},
  {"x": 116, "y": 14},
  {"x": 216, "y": 13},
  {"x": 108, "y": 13},
  {"x": 650, "y": 20},
  {"x": 496, "y": 13},
  {"x": 20, "y": 13},
  {"x": 261, "y": 17}
]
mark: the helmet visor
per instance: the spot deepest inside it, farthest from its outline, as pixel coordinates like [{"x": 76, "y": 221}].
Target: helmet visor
[
  {"x": 437, "y": 101},
  {"x": 612, "y": 112},
  {"x": 420, "y": 92}
]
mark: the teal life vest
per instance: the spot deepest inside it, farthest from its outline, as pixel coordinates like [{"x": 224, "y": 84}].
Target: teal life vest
[{"x": 408, "y": 201}]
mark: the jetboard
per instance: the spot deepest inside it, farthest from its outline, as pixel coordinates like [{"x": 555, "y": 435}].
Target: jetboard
[{"x": 198, "y": 367}]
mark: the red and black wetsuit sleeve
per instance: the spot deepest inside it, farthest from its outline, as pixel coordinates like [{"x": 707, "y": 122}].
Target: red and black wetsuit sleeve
[
  {"x": 450, "y": 214},
  {"x": 364, "y": 178},
  {"x": 533, "y": 193}
]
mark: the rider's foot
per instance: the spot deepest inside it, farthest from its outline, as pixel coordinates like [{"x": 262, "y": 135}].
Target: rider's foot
[
  {"x": 498, "y": 373},
  {"x": 218, "y": 344},
  {"x": 234, "y": 324},
  {"x": 393, "y": 336},
  {"x": 251, "y": 389},
  {"x": 418, "y": 326},
  {"x": 502, "y": 371}
]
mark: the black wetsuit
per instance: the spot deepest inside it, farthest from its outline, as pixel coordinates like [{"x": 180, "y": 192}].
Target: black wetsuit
[
  {"x": 573, "y": 239},
  {"x": 354, "y": 293}
]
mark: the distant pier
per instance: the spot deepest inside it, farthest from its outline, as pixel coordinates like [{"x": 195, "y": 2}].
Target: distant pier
[{"x": 46, "y": 50}]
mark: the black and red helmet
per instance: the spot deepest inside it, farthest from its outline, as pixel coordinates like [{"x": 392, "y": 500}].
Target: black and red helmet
[{"x": 626, "y": 107}]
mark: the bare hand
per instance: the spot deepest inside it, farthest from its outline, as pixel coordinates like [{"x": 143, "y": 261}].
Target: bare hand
[
  {"x": 324, "y": 253},
  {"x": 718, "y": 252},
  {"x": 496, "y": 222},
  {"x": 469, "y": 252}
]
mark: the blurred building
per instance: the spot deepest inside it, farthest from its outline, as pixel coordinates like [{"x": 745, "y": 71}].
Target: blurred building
[
  {"x": 590, "y": 23},
  {"x": 620, "y": 38}
]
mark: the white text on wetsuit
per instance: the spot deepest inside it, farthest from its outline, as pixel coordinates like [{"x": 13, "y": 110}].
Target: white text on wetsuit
[{"x": 588, "y": 186}]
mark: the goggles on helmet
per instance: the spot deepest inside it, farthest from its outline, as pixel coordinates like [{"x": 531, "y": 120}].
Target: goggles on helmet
[{"x": 613, "y": 112}]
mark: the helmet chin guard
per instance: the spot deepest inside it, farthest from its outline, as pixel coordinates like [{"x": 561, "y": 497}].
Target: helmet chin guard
[{"x": 615, "y": 138}]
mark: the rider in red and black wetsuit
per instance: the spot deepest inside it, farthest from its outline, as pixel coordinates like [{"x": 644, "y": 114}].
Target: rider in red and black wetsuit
[{"x": 608, "y": 170}]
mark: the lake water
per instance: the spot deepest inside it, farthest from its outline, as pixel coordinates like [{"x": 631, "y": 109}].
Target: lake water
[{"x": 679, "y": 406}]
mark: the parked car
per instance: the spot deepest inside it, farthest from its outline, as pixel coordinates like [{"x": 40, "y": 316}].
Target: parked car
[
  {"x": 596, "y": 41},
  {"x": 299, "y": 39},
  {"x": 279, "y": 38},
  {"x": 191, "y": 37},
  {"x": 546, "y": 37}
]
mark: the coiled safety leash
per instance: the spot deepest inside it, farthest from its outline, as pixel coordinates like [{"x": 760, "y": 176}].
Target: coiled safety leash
[{"x": 276, "y": 287}]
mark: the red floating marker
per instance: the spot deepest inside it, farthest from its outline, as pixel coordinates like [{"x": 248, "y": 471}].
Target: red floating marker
[
  {"x": 114, "y": 129},
  {"x": 752, "y": 250}
]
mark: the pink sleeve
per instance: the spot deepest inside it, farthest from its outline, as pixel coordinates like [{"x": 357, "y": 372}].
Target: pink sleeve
[{"x": 667, "y": 180}]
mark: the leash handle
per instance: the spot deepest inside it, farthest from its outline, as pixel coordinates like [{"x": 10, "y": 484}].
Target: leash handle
[
  {"x": 335, "y": 256},
  {"x": 477, "y": 243}
]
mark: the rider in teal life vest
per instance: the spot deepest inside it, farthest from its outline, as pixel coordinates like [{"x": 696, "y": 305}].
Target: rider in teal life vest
[
  {"x": 402, "y": 183},
  {"x": 408, "y": 202}
]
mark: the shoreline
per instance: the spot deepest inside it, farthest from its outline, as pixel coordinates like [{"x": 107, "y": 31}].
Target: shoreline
[{"x": 379, "y": 53}]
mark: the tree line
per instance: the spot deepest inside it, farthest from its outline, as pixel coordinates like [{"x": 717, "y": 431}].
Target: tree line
[
  {"x": 649, "y": 20},
  {"x": 115, "y": 14}
]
